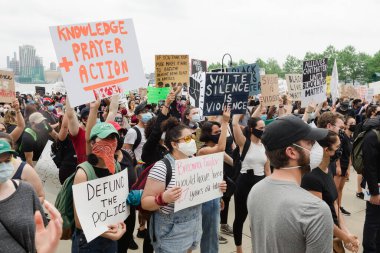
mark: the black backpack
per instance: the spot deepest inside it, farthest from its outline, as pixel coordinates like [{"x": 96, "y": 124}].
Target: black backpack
[{"x": 138, "y": 140}]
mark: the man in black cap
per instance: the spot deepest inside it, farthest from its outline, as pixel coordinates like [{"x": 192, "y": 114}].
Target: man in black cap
[{"x": 283, "y": 216}]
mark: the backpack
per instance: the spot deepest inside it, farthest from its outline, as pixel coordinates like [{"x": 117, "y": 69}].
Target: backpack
[
  {"x": 141, "y": 181},
  {"x": 65, "y": 201},
  {"x": 138, "y": 140},
  {"x": 357, "y": 152}
]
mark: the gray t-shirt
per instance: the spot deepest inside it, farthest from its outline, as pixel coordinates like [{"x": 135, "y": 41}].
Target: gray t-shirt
[
  {"x": 17, "y": 214},
  {"x": 286, "y": 218}
]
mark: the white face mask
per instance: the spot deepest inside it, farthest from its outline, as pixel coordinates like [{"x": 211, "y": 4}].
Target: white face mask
[
  {"x": 195, "y": 118},
  {"x": 316, "y": 155},
  {"x": 188, "y": 149},
  {"x": 163, "y": 135}
]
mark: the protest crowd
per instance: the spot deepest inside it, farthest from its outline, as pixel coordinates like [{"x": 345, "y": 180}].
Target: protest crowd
[{"x": 164, "y": 162}]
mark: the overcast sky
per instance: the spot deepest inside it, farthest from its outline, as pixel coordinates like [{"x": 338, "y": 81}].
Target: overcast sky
[{"x": 204, "y": 29}]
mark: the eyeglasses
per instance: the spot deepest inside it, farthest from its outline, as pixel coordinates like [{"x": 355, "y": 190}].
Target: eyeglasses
[{"x": 187, "y": 139}]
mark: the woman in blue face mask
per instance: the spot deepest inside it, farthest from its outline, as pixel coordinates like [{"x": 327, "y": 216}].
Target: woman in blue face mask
[
  {"x": 191, "y": 117},
  {"x": 18, "y": 205}
]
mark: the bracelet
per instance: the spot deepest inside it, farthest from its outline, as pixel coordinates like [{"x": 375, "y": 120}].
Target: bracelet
[
  {"x": 159, "y": 200},
  {"x": 166, "y": 106},
  {"x": 18, "y": 111}
]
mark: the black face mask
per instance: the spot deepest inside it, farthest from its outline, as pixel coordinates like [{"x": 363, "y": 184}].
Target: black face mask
[
  {"x": 120, "y": 142},
  {"x": 258, "y": 133},
  {"x": 215, "y": 138},
  {"x": 352, "y": 128}
]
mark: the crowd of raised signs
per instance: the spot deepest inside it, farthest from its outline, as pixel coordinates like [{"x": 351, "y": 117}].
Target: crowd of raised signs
[{"x": 285, "y": 166}]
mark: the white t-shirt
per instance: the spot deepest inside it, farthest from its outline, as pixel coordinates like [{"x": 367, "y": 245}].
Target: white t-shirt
[
  {"x": 255, "y": 159},
  {"x": 131, "y": 138}
]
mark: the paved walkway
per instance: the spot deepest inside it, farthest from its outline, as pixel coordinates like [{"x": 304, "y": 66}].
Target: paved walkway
[{"x": 350, "y": 202}]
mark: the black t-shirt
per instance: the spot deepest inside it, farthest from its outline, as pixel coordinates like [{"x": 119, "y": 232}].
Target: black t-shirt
[
  {"x": 29, "y": 144},
  {"x": 100, "y": 172},
  {"x": 319, "y": 181},
  {"x": 346, "y": 144}
]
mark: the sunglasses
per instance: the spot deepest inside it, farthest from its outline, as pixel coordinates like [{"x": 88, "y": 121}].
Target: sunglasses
[{"x": 187, "y": 139}]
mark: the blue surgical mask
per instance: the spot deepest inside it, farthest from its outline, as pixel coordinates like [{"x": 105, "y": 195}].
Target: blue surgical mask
[
  {"x": 146, "y": 117},
  {"x": 6, "y": 171},
  {"x": 97, "y": 120},
  {"x": 264, "y": 117},
  {"x": 195, "y": 118},
  {"x": 51, "y": 108}
]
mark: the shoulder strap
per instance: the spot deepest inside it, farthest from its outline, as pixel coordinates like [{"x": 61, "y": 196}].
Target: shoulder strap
[
  {"x": 87, "y": 167},
  {"x": 377, "y": 132},
  {"x": 118, "y": 167},
  {"x": 168, "y": 170},
  {"x": 32, "y": 133},
  {"x": 138, "y": 140},
  {"x": 18, "y": 173},
  {"x": 247, "y": 144}
]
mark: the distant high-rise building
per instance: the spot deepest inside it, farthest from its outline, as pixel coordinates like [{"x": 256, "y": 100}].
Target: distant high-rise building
[
  {"x": 53, "y": 66},
  {"x": 14, "y": 64},
  {"x": 8, "y": 62},
  {"x": 27, "y": 60}
]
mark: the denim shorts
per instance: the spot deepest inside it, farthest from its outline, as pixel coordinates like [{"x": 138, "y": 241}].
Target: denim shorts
[
  {"x": 98, "y": 245},
  {"x": 176, "y": 232}
]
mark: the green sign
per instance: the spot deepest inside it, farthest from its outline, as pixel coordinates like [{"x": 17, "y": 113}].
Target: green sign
[{"x": 157, "y": 94}]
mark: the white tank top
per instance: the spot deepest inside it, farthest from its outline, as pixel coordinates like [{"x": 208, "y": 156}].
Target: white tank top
[{"x": 254, "y": 160}]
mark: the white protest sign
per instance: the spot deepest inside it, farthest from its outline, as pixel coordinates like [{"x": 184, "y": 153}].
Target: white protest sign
[
  {"x": 370, "y": 94},
  {"x": 48, "y": 173},
  {"x": 101, "y": 202},
  {"x": 294, "y": 82},
  {"x": 375, "y": 86},
  {"x": 314, "y": 82},
  {"x": 98, "y": 59},
  {"x": 199, "y": 178}
]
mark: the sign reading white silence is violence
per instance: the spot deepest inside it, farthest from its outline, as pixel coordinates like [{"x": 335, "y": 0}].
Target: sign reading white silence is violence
[
  {"x": 314, "y": 82},
  {"x": 101, "y": 202},
  {"x": 199, "y": 179},
  {"x": 226, "y": 89}
]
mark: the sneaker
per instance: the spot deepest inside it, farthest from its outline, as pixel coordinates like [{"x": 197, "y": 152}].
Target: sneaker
[
  {"x": 222, "y": 240},
  {"x": 226, "y": 229},
  {"x": 360, "y": 195},
  {"x": 142, "y": 233},
  {"x": 133, "y": 245},
  {"x": 344, "y": 211}
]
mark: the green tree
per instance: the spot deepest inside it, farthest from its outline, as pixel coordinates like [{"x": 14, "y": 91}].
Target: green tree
[
  {"x": 212, "y": 66},
  {"x": 262, "y": 64},
  {"x": 373, "y": 66},
  {"x": 272, "y": 67},
  {"x": 331, "y": 53},
  {"x": 292, "y": 65}
]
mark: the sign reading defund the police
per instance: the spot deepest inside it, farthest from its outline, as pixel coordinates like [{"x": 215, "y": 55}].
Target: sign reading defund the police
[
  {"x": 226, "y": 89},
  {"x": 199, "y": 179},
  {"x": 101, "y": 202},
  {"x": 314, "y": 82}
]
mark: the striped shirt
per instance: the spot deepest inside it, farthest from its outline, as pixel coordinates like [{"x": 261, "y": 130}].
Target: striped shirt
[{"x": 158, "y": 173}]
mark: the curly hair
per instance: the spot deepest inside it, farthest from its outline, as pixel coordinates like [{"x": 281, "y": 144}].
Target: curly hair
[{"x": 173, "y": 129}]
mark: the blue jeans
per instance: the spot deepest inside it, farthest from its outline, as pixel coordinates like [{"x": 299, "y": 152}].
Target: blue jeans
[
  {"x": 371, "y": 231},
  {"x": 210, "y": 226},
  {"x": 98, "y": 245},
  {"x": 176, "y": 232}
]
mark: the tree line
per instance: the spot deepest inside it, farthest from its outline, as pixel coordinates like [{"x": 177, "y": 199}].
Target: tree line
[{"x": 353, "y": 66}]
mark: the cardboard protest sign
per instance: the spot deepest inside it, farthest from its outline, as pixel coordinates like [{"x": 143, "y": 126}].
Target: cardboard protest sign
[
  {"x": 361, "y": 91},
  {"x": 254, "y": 83},
  {"x": 172, "y": 70},
  {"x": 7, "y": 87},
  {"x": 143, "y": 92},
  {"x": 314, "y": 82},
  {"x": 294, "y": 82},
  {"x": 375, "y": 86},
  {"x": 226, "y": 89},
  {"x": 48, "y": 173},
  {"x": 370, "y": 94},
  {"x": 101, "y": 202},
  {"x": 157, "y": 94},
  {"x": 198, "y": 66},
  {"x": 40, "y": 90},
  {"x": 98, "y": 60},
  {"x": 269, "y": 90},
  {"x": 199, "y": 178}
]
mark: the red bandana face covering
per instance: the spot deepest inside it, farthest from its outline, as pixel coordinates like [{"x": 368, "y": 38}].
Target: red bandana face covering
[{"x": 106, "y": 149}]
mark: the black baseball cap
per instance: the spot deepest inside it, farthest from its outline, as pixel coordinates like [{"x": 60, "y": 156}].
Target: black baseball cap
[
  {"x": 140, "y": 108},
  {"x": 84, "y": 113},
  {"x": 287, "y": 130}
]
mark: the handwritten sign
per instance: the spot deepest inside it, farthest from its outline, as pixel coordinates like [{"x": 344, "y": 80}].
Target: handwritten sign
[
  {"x": 269, "y": 90},
  {"x": 314, "y": 82},
  {"x": 101, "y": 202},
  {"x": 7, "y": 86},
  {"x": 254, "y": 83},
  {"x": 294, "y": 83},
  {"x": 370, "y": 94},
  {"x": 172, "y": 70},
  {"x": 98, "y": 60},
  {"x": 199, "y": 178},
  {"x": 157, "y": 94},
  {"x": 48, "y": 173},
  {"x": 226, "y": 89}
]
